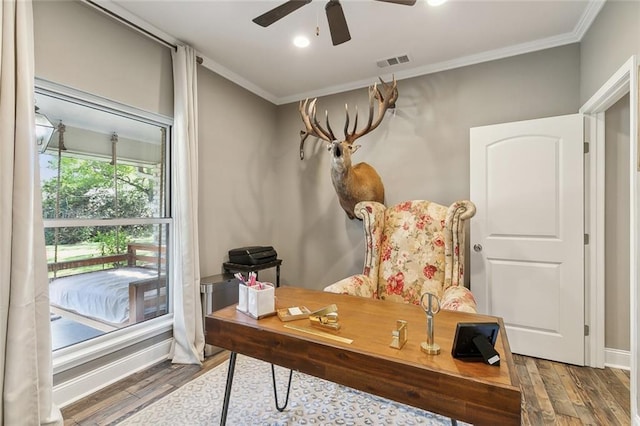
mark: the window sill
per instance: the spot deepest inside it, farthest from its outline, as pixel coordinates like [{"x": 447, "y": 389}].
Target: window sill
[{"x": 89, "y": 350}]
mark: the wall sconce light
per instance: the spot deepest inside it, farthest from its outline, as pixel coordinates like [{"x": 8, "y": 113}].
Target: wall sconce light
[{"x": 44, "y": 130}]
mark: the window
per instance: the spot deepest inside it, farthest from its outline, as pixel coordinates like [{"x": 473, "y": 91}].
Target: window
[{"x": 105, "y": 203}]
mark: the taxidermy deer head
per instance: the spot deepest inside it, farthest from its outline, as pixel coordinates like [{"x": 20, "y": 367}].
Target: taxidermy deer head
[{"x": 353, "y": 183}]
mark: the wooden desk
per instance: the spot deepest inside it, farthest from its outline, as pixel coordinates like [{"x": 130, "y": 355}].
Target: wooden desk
[{"x": 470, "y": 391}]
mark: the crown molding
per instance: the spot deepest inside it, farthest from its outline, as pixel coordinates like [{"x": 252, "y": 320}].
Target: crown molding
[
  {"x": 240, "y": 81},
  {"x": 487, "y": 56},
  {"x": 134, "y": 22},
  {"x": 587, "y": 18}
]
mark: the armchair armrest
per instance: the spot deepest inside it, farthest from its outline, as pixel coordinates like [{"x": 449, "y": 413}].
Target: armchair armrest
[
  {"x": 372, "y": 214},
  {"x": 458, "y": 298},
  {"x": 457, "y": 214},
  {"x": 355, "y": 285}
]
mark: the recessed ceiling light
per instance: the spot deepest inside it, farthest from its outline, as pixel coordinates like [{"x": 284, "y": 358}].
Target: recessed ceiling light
[
  {"x": 435, "y": 2},
  {"x": 301, "y": 41}
]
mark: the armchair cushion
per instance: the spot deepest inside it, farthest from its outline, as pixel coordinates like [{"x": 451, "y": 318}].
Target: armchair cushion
[
  {"x": 357, "y": 285},
  {"x": 410, "y": 255}
]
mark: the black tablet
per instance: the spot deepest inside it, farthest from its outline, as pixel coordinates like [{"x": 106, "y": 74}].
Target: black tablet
[{"x": 464, "y": 346}]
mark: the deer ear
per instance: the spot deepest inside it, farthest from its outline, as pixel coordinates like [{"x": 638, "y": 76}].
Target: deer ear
[{"x": 354, "y": 148}]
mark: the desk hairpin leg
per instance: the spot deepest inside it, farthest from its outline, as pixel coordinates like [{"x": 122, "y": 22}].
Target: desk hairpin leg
[
  {"x": 275, "y": 391},
  {"x": 227, "y": 389}
]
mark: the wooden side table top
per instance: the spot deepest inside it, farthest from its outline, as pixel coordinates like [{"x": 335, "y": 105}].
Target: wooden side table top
[{"x": 470, "y": 391}]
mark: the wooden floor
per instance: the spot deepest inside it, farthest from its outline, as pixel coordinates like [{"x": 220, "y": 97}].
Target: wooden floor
[{"x": 553, "y": 393}]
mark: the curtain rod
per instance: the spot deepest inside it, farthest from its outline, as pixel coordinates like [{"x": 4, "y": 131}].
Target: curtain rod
[{"x": 137, "y": 27}]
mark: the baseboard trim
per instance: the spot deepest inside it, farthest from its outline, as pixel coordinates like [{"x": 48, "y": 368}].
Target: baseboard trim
[
  {"x": 616, "y": 358},
  {"x": 86, "y": 384}
]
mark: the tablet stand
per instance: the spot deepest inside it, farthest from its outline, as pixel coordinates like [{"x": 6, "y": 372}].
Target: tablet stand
[{"x": 489, "y": 354}]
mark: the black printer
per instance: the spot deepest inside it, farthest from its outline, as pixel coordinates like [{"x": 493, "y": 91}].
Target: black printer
[{"x": 253, "y": 255}]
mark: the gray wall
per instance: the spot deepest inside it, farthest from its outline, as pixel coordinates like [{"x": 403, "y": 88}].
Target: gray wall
[
  {"x": 421, "y": 152},
  {"x": 610, "y": 41},
  {"x": 238, "y": 193},
  {"x": 616, "y": 249}
]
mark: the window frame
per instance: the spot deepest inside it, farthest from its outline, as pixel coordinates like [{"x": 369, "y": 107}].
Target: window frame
[{"x": 84, "y": 352}]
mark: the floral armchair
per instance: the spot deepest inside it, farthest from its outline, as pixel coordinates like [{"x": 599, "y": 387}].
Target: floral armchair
[{"x": 412, "y": 248}]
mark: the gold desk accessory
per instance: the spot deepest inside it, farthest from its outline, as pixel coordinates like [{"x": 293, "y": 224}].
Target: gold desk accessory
[
  {"x": 319, "y": 333},
  {"x": 326, "y": 317},
  {"x": 399, "y": 335},
  {"x": 293, "y": 313},
  {"x": 431, "y": 306}
]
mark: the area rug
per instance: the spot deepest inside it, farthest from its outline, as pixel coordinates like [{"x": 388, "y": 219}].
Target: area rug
[{"x": 312, "y": 401}]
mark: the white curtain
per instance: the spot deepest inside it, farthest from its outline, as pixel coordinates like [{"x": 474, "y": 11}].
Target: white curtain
[
  {"x": 25, "y": 335},
  {"x": 188, "y": 345}
]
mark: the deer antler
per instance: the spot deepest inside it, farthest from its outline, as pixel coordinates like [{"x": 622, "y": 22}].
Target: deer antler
[
  {"x": 312, "y": 126},
  {"x": 385, "y": 100},
  {"x": 307, "y": 110}
]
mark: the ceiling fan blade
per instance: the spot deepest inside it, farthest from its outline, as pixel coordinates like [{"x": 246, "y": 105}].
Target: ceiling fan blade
[
  {"x": 404, "y": 2},
  {"x": 337, "y": 23},
  {"x": 279, "y": 12}
]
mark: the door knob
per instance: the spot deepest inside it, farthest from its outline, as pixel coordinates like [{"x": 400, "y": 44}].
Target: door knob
[{"x": 477, "y": 248}]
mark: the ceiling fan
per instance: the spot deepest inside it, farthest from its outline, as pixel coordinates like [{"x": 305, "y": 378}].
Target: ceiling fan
[{"x": 335, "y": 16}]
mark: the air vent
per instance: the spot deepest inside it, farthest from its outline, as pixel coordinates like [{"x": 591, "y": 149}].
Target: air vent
[{"x": 396, "y": 60}]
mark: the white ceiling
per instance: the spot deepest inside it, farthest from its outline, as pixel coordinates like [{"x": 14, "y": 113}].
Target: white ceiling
[{"x": 264, "y": 60}]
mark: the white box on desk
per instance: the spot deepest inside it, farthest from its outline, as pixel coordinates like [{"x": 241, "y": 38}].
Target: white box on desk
[
  {"x": 261, "y": 302},
  {"x": 242, "y": 298}
]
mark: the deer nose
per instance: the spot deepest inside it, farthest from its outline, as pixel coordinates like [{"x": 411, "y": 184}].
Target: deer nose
[{"x": 337, "y": 150}]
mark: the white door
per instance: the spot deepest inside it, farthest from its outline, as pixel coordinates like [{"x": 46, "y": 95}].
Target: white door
[{"x": 527, "y": 238}]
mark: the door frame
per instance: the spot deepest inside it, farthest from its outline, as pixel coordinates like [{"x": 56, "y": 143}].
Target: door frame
[{"x": 623, "y": 81}]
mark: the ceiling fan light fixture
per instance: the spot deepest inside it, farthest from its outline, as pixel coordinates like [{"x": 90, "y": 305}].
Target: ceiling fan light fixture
[
  {"x": 338, "y": 28},
  {"x": 301, "y": 41},
  {"x": 435, "y": 2}
]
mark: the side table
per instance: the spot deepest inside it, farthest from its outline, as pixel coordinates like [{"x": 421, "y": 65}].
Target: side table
[
  {"x": 237, "y": 267},
  {"x": 217, "y": 292}
]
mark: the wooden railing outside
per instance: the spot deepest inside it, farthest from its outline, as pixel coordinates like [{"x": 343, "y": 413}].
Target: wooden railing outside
[
  {"x": 147, "y": 260},
  {"x": 131, "y": 258}
]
